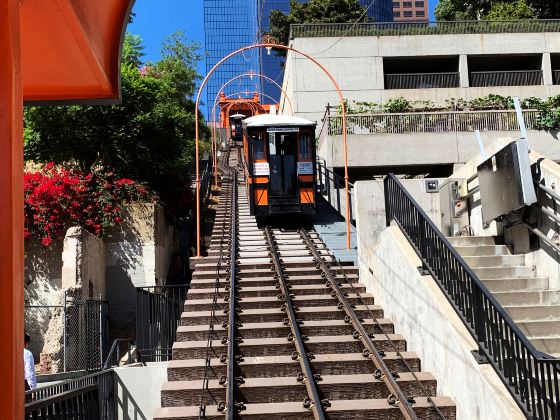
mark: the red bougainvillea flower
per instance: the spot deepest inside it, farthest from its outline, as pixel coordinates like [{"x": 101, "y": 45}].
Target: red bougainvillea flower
[{"x": 57, "y": 198}]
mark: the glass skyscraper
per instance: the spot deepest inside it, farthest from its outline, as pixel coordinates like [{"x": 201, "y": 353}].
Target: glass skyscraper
[{"x": 232, "y": 24}]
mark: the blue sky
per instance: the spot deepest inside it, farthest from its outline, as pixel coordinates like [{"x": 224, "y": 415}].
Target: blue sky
[{"x": 157, "y": 19}]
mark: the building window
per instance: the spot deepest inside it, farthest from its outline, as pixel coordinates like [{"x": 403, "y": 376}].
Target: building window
[
  {"x": 397, "y": 14},
  {"x": 419, "y": 3},
  {"x": 396, "y": 5},
  {"x": 407, "y": 13},
  {"x": 420, "y": 13},
  {"x": 407, "y": 4}
]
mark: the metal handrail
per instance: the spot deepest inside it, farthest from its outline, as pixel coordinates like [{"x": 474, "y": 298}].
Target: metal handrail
[
  {"x": 432, "y": 122},
  {"x": 115, "y": 349},
  {"x": 528, "y": 373},
  {"x": 338, "y": 183},
  {"x": 312, "y": 30}
]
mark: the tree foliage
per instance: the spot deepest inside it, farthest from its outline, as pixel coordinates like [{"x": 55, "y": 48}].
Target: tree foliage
[
  {"x": 497, "y": 9},
  {"x": 315, "y": 11},
  {"x": 149, "y": 137}
]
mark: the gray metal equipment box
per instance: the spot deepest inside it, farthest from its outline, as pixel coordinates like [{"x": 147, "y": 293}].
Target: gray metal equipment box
[{"x": 505, "y": 180}]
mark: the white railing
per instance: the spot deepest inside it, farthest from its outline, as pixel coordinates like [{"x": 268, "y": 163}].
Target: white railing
[{"x": 431, "y": 122}]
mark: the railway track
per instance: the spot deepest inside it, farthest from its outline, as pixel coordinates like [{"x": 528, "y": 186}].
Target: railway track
[{"x": 275, "y": 328}]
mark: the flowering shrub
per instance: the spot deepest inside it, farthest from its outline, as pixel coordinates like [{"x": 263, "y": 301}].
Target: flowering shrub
[{"x": 57, "y": 197}]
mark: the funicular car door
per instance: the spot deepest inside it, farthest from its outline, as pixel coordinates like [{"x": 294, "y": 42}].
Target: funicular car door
[{"x": 282, "y": 146}]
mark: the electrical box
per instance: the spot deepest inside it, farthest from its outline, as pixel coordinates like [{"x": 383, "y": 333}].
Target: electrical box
[{"x": 454, "y": 208}]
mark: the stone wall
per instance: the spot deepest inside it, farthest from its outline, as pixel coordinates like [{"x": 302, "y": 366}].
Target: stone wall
[{"x": 138, "y": 253}]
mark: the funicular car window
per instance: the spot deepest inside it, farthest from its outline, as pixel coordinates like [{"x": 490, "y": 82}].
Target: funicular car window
[
  {"x": 257, "y": 142},
  {"x": 305, "y": 147}
]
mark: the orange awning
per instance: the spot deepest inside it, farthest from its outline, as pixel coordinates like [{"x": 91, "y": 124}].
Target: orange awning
[{"x": 70, "y": 49}]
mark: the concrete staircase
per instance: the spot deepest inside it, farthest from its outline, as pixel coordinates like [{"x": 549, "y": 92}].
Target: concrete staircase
[{"x": 527, "y": 298}]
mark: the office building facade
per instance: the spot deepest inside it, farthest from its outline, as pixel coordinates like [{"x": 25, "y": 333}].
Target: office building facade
[
  {"x": 232, "y": 24},
  {"x": 410, "y": 10}
]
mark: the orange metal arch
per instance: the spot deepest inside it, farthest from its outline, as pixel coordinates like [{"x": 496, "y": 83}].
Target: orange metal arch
[{"x": 270, "y": 46}]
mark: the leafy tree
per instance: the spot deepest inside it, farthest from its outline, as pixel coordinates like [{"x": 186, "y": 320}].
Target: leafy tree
[
  {"x": 132, "y": 50},
  {"x": 314, "y": 11},
  {"x": 497, "y": 9},
  {"x": 510, "y": 11},
  {"x": 149, "y": 137}
]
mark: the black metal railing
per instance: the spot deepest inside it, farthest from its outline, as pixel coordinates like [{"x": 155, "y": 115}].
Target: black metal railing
[
  {"x": 206, "y": 182},
  {"x": 421, "y": 80},
  {"x": 506, "y": 78},
  {"x": 120, "y": 346},
  {"x": 158, "y": 314},
  {"x": 332, "y": 187},
  {"x": 532, "y": 377},
  {"x": 313, "y": 30},
  {"x": 556, "y": 77},
  {"x": 90, "y": 397}
]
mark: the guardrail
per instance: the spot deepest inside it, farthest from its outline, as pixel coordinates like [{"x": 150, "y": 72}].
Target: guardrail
[
  {"x": 432, "y": 122},
  {"x": 506, "y": 78},
  {"x": 158, "y": 314},
  {"x": 315, "y": 30},
  {"x": 532, "y": 377},
  {"x": 332, "y": 187},
  {"x": 88, "y": 397},
  {"x": 421, "y": 80}
]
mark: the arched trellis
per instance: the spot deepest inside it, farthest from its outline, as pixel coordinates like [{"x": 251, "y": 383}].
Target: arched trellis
[
  {"x": 269, "y": 46},
  {"x": 255, "y": 109},
  {"x": 214, "y": 145}
]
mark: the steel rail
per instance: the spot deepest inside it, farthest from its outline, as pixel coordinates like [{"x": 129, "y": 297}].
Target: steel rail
[
  {"x": 316, "y": 403},
  {"x": 202, "y": 406},
  {"x": 391, "y": 342},
  {"x": 396, "y": 397}
]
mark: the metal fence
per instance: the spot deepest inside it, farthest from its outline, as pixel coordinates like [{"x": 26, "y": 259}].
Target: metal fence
[
  {"x": 532, "y": 377},
  {"x": 332, "y": 187},
  {"x": 432, "y": 122},
  {"x": 158, "y": 315},
  {"x": 421, "y": 80},
  {"x": 314, "y": 30},
  {"x": 90, "y": 397},
  {"x": 70, "y": 336},
  {"x": 506, "y": 78},
  {"x": 556, "y": 77}
]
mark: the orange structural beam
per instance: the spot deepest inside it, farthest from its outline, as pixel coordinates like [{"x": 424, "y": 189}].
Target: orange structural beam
[
  {"x": 71, "y": 49},
  {"x": 11, "y": 213},
  {"x": 52, "y": 51}
]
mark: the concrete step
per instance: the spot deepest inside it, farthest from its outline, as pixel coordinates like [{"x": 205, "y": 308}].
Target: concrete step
[
  {"x": 274, "y": 302},
  {"x": 549, "y": 345},
  {"x": 276, "y": 366},
  {"x": 495, "y": 261},
  {"x": 544, "y": 328},
  {"x": 312, "y": 313},
  {"x": 279, "y": 329},
  {"x": 339, "y": 410},
  {"x": 287, "y": 389},
  {"x": 530, "y": 297},
  {"x": 516, "y": 284},
  {"x": 282, "y": 346},
  {"x": 482, "y": 250},
  {"x": 474, "y": 240},
  {"x": 504, "y": 272},
  {"x": 272, "y": 290},
  {"x": 270, "y": 281},
  {"x": 290, "y": 271},
  {"x": 533, "y": 312}
]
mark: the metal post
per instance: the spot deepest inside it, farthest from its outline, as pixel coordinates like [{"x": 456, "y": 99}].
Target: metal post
[
  {"x": 520, "y": 119},
  {"x": 64, "y": 334},
  {"x": 100, "y": 333}
]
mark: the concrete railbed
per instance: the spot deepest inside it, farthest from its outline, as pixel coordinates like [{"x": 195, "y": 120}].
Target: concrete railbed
[{"x": 423, "y": 315}]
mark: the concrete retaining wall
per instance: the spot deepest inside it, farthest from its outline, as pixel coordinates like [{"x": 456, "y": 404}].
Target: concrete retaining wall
[
  {"x": 420, "y": 149},
  {"x": 432, "y": 329},
  {"x": 139, "y": 390}
]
